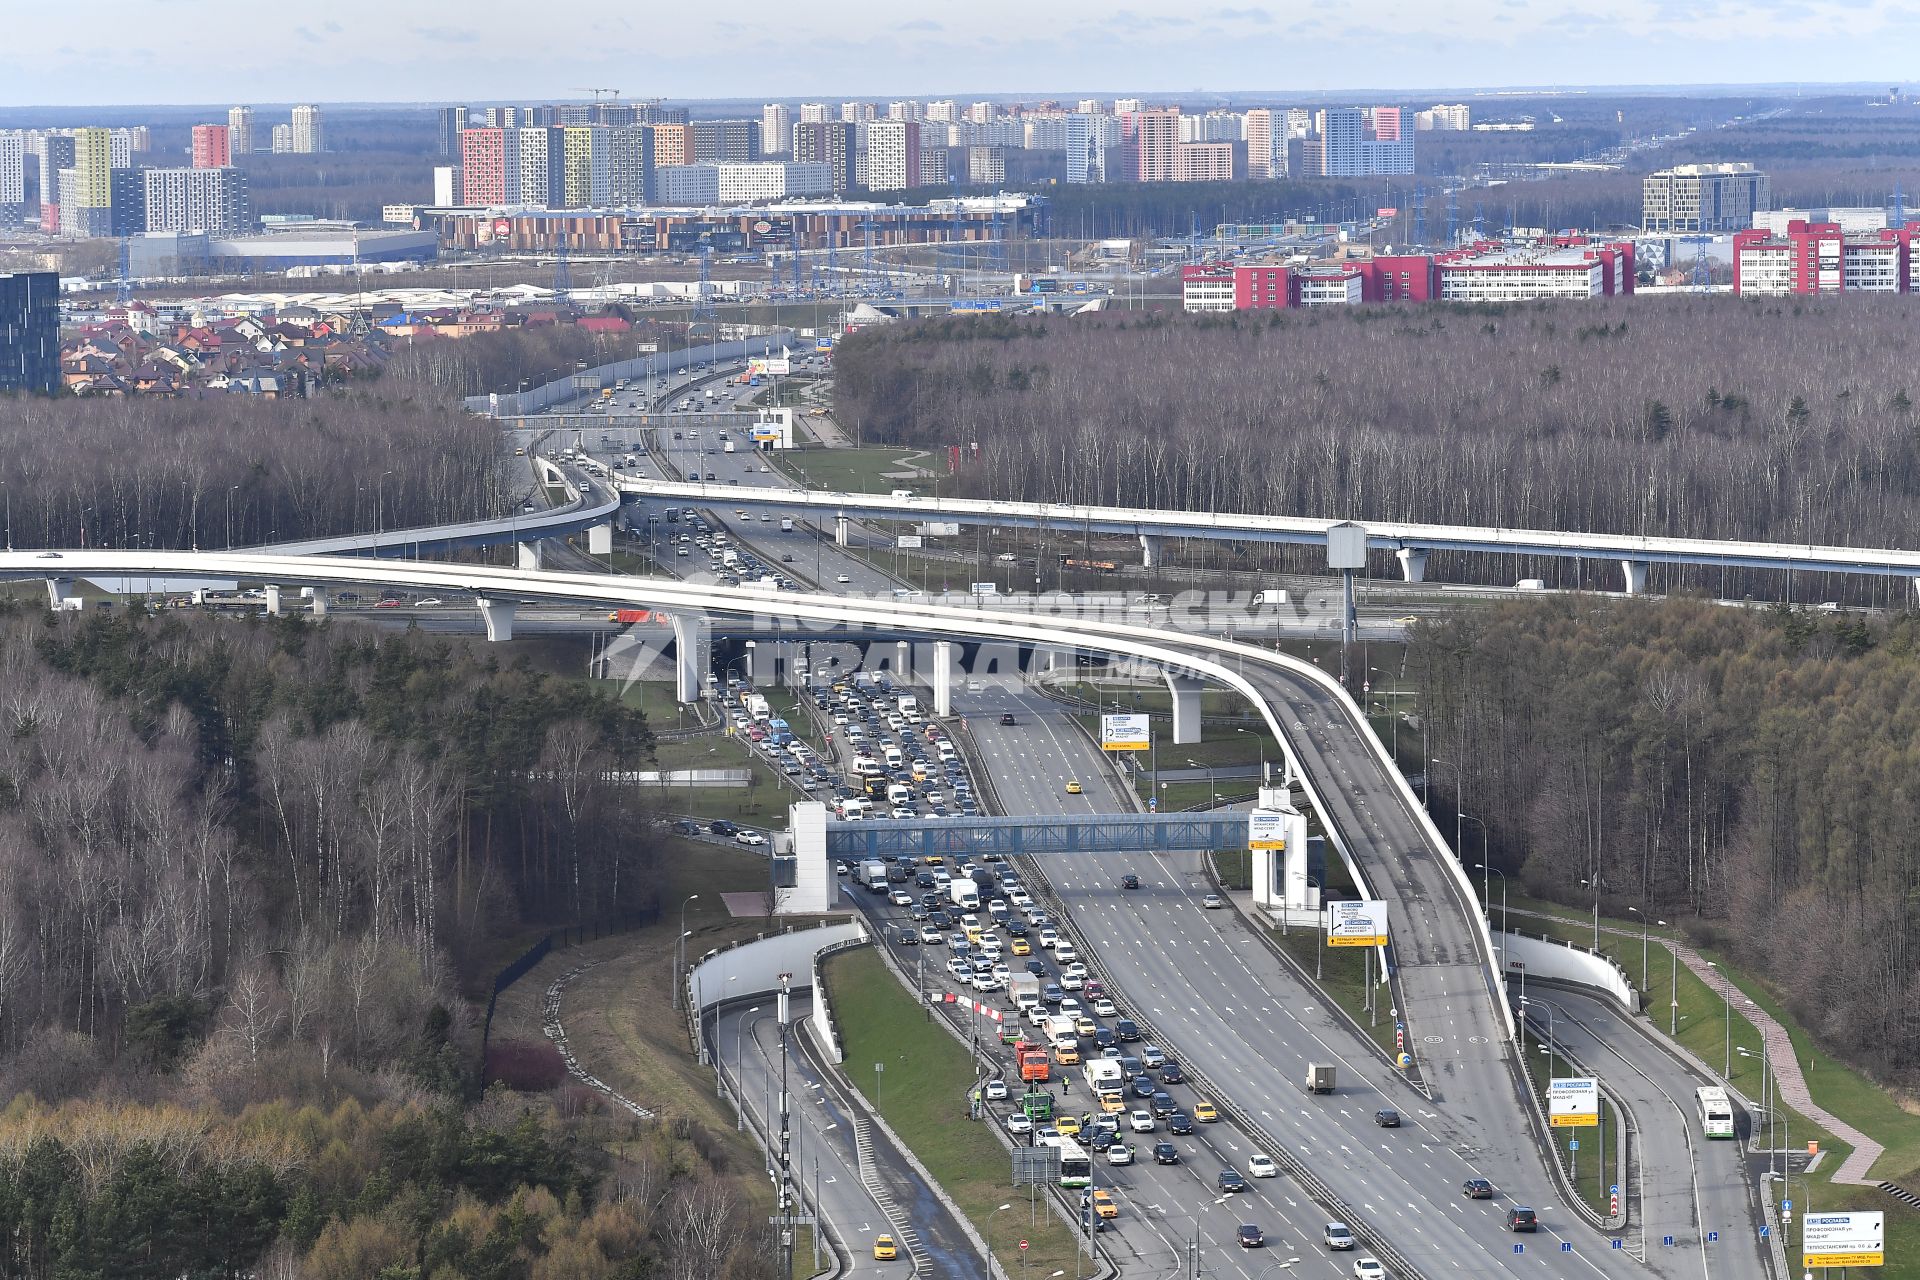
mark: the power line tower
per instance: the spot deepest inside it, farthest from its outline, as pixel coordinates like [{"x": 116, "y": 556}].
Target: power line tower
[
  {"x": 1479, "y": 221},
  {"x": 562, "y": 275},
  {"x": 1453, "y": 215},
  {"x": 1419, "y": 214},
  {"x": 867, "y": 269},
  {"x": 1702, "y": 279},
  {"x": 1899, "y": 219},
  {"x": 123, "y": 291}
]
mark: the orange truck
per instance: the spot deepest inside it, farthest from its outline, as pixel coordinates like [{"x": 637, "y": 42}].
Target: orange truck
[{"x": 1035, "y": 1062}]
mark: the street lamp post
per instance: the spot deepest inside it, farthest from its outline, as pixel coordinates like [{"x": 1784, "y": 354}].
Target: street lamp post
[
  {"x": 1001, "y": 1209},
  {"x": 1595, "y": 884},
  {"x": 1458, "y": 784},
  {"x": 1525, "y": 1005},
  {"x": 1645, "y": 972},
  {"x": 1503, "y": 911},
  {"x": 1486, "y": 848},
  {"x": 1320, "y": 928},
  {"x": 680, "y": 949}
]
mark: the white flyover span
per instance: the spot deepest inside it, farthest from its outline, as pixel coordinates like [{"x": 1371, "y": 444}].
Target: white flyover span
[{"x": 1410, "y": 543}]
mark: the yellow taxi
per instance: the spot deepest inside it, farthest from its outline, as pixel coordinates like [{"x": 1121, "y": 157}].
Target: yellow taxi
[
  {"x": 1021, "y": 947},
  {"x": 1068, "y": 1126},
  {"x": 1204, "y": 1112},
  {"x": 1073, "y": 786},
  {"x": 1066, "y": 1057},
  {"x": 934, "y": 860},
  {"x": 884, "y": 1250},
  {"x": 1085, "y": 1026},
  {"x": 1103, "y": 1204}
]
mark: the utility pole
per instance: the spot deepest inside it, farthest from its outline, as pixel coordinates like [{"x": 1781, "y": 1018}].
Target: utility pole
[{"x": 786, "y": 1148}]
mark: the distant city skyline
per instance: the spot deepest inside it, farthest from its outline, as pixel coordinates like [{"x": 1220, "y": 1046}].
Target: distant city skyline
[{"x": 376, "y": 52}]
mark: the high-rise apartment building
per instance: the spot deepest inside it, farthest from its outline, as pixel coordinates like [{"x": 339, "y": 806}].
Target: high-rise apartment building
[
  {"x": 828, "y": 142},
  {"x": 776, "y": 128},
  {"x": 629, "y": 164},
  {"x": 128, "y": 216},
  {"x": 1265, "y": 132},
  {"x": 654, "y": 113},
  {"x": 1090, "y": 107},
  {"x": 1151, "y": 136},
  {"x": 56, "y": 155},
  {"x": 489, "y": 166},
  {"x": 893, "y": 155},
  {"x": 589, "y": 167},
  {"x": 1214, "y": 126},
  {"x": 1086, "y": 142},
  {"x": 816, "y": 113},
  {"x": 282, "y": 136},
  {"x": 540, "y": 153},
  {"x": 505, "y": 118},
  {"x": 906, "y": 111},
  {"x": 1127, "y": 106},
  {"x": 30, "y": 332},
  {"x": 945, "y": 111},
  {"x": 1342, "y": 130},
  {"x": 981, "y": 112},
  {"x": 986, "y": 166},
  {"x": 447, "y": 190},
  {"x": 451, "y": 121},
  {"x": 309, "y": 135},
  {"x": 211, "y": 146},
  {"x": 93, "y": 165},
  {"x": 1385, "y": 123},
  {"x": 858, "y": 112},
  {"x": 1299, "y": 122},
  {"x": 1703, "y": 198},
  {"x": 199, "y": 199},
  {"x": 1442, "y": 117},
  {"x": 240, "y": 131},
  {"x": 933, "y": 163},
  {"x": 672, "y": 144},
  {"x": 725, "y": 141},
  {"x": 13, "y": 175}
]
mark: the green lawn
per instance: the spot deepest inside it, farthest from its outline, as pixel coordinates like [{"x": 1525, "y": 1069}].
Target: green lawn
[
  {"x": 764, "y": 802},
  {"x": 923, "y": 1094},
  {"x": 863, "y": 470}
]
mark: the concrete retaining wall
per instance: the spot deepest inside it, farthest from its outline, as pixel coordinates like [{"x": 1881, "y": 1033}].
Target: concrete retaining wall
[{"x": 1527, "y": 957}]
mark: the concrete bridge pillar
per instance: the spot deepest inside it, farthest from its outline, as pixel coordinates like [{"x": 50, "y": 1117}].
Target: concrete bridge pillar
[
  {"x": 1186, "y": 707},
  {"x": 943, "y": 677},
  {"x": 273, "y": 600},
  {"x": 60, "y": 594},
  {"x": 498, "y": 615},
  {"x": 1152, "y": 547},
  {"x": 1413, "y": 563},
  {"x": 528, "y": 554},
  {"x": 322, "y": 600},
  {"x": 600, "y": 540},
  {"x": 1636, "y": 576},
  {"x": 840, "y": 526},
  {"x": 693, "y": 652},
  {"x": 903, "y": 662}
]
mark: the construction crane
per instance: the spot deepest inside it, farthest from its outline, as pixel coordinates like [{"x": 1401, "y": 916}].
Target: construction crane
[{"x": 598, "y": 94}]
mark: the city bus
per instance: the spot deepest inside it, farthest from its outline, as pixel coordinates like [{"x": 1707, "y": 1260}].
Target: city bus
[
  {"x": 1076, "y": 1166},
  {"x": 1716, "y": 1112}
]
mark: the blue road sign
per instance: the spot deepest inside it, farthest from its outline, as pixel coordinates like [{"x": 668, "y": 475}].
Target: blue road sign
[
  {"x": 1618, "y": 1243},
  {"x": 1713, "y": 1237},
  {"x": 1765, "y": 1231},
  {"x": 1614, "y": 1190},
  {"x": 1573, "y": 1144},
  {"x": 1566, "y": 1246},
  {"x": 1519, "y": 1248},
  {"x": 1786, "y": 1204},
  {"x": 1667, "y": 1240}
]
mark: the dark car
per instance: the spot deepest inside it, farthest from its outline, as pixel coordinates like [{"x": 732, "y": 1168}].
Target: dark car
[
  {"x": 1521, "y": 1218},
  {"x": 1052, "y": 994},
  {"x": 1230, "y": 1181},
  {"x": 1387, "y": 1118},
  {"x": 940, "y": 920},
  {"x": 918, "y": 915},
  {"x": 908, "y": 938},
  {"x": 1102, "y": 1037},
  {"x": 1477, "y": 1189},
  {"x": 1144, "y": 1087},
  {"x": 1037, "y": 968},
  {"x": 1016, "y": 928},
  {"x": 1129, "y": 882},
  {"x": 1165, "y": 1153},
  {"x": 1250, "y": 1236},
  {"x": 1180, "y": 1122},
  {"x": 925, "y": 880},
  {"x": 1126, "y": 1030},
  {"x": 1101, "y": 1138},
  {"x": 727, "y": 829},
  {"x": 1170, "y": 1073},
  {"x": 1006, "y": 717},
  {"x": 686, "y": 828},
  {"x": 1162, "y": 1103}
]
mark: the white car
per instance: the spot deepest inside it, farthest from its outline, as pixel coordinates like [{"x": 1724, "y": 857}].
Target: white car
[
  {"x": 1119, "y": 1153},
  {"x": 900, "y": 899},
  {"x": 752, "y": 837},
  {"x": 1141, "y": 1121},
  {"x": 1368, "y": 1269},
  {"x": 932, "y": 936},
  {"x": 1213, "y": 902},
  {"x": 996, "y": 1090},
  {"x": 1076, "y": 969},
  {"x": 1020, "y": 898},
  {"x": 1262, "y": 1166},
  {"x": 986, "y": 982},
  {"x": 1019, "y": 1122},
  {"x": 1071, "y": 1007},
  {"x": 1105, "y": 1008},
  {"x": 1072, "y": 981},
  {"x": 1049, "y": 937},
  {"x": 843, "y": 578}
]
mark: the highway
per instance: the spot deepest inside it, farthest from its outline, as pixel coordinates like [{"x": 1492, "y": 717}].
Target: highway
[{"x": 829, "y": 1131}]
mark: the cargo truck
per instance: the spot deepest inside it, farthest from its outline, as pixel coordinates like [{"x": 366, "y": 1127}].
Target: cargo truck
[
  {"x": 1024, "y": 990},
  {"x": 1319, "y": 1077},
  {"x": 874, "y": 876},
  {"x": 1106, "y": 1082},
  {"x": 1035, "y": 1063},
  {"x": 1060, "y": 1031},
  {"x": 786, "y": 524},
  {"x": 963, "y": 894}
]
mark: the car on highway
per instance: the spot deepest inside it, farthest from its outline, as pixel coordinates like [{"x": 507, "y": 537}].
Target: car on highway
[
  {"x": 1179, "y": 1122},
  {"x": 1387, "y": 1118},
  {"x": 996, "y": 1090},
  {"x": 1119, "y": 1152},
  {"x": 1250, "y": 1236},
  {"x": 1021, "y": 947},
  {"x": 1477, "y": 1189},
  {"x": 1151, "y": 1056},
  {"x": 1141, "y": 1121},
  {"x": 1260, "y": 1165},
  {"x": 1337, "y": 1235},
  {"x": 1105, "y": 1007},
  {"x": 1019, "y": 1123},
  {"x": 1069, "y": 1126},
  {"x": 1521, "y": 1218},
  {"x": 1230, "y": 1182},
  {"x": 1213, "y": 902},
  {"x": 899, "y": 897},
  {"x": 1129, "y": 882},
  {"x": 1368, "y": 1269},
  {"x": 1165, "y": 1153},
  {"x": 931, "y": 936},
  {"x": 843, "y": 578},
  {"x": 1205, "y": 1112},
  {"x": 1171, "y": 1073},
  {"x": 1103, "y": 1204},
  {"x": 884, "y": 1249},
  {"x": 1073, "y": 786},
  {"x": 1127, "y": 1030}
]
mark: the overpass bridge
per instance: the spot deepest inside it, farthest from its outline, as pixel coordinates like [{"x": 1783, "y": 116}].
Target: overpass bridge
[{"x": 1410, "y": 543}]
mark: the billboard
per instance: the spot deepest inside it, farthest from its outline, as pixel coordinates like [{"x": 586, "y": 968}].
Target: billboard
[
  {"x": 976, "y": 304},
  {"x": 1358, "y": 923},
  {"x": 1386, "y": 211},
  {"x": 1573, "y": 1102},
  {"x": 1844, "y": 1239},
  {"x": 1266, "y": 829},
  {"x": 769, "y": 366},
  {"x": 907, "y": 541},
  {"x": 1125, "y": 732},
  {"x": 1346, "y": 546},
  {"x": 947, "y": 530}
]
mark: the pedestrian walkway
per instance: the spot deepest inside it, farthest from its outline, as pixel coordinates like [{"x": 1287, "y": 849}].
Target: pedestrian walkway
[{"x": 1788, "y": 1076}]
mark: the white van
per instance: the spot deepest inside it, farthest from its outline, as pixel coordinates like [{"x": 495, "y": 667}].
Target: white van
[{"x": 899, "y": 794}]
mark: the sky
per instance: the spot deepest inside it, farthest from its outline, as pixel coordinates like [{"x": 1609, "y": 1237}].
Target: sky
[{"x": 221, "y": 51}]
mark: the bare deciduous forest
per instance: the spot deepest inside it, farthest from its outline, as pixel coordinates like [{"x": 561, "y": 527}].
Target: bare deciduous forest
[
  {"x": 1697, "y": 416},
  {"x": 1752, "y": 771}
]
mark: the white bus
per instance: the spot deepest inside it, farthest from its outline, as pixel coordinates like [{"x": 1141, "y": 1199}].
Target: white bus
[
  {"x": 1076, "y": 1166},
  {"x": 1716, "y": 1112}
]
